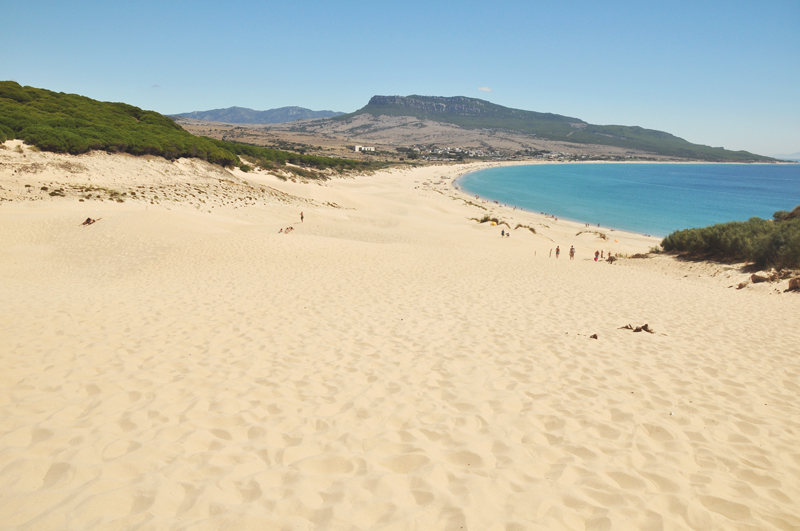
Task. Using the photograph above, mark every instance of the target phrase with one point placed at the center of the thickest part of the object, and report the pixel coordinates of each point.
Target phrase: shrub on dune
(765, 243)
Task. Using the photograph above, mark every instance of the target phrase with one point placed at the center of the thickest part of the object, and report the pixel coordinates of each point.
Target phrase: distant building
(363, 148)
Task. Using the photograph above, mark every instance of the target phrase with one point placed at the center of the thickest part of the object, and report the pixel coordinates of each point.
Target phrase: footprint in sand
(256, 432)
(119, 448)
(658, 433)
(627, 481)
(607, 432)
(748, 429)
(757, 479)
(126, 425)
(663, 484)
(249, 491)
(142, 502)
(422, 497)
(727, 508)
(465, 458)
(40, 434)
(190, 496)
(221, 434)
(407, 463)
(374, 513)
(327, 465)
(58, 473)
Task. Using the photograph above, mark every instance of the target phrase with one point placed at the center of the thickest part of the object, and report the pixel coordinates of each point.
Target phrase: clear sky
(721, 73)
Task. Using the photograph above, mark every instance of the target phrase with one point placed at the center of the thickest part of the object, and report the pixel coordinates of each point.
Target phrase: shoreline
(583, 224)
(594, 225)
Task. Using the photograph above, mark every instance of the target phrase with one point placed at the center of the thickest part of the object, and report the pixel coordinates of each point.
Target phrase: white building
(363, 148)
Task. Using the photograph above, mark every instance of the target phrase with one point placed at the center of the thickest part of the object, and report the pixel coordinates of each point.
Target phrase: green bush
(268, 158)
(765, 243)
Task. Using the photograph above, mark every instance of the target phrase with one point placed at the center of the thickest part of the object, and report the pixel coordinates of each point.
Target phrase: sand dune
(389, 364)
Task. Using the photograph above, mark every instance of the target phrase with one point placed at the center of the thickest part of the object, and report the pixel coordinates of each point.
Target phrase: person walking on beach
(558, 251)
(301, 217)
(596, 255)
(572, 252)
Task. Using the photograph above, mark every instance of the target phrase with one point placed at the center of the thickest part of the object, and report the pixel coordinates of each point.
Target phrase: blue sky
(716, 73)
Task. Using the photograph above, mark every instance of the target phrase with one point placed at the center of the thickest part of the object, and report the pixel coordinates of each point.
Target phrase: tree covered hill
(242, 115)
(69, 123)
(472, 113)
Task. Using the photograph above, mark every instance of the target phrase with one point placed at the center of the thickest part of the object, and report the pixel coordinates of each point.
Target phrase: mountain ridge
(243, 115)
(473, 113)
(789, 156)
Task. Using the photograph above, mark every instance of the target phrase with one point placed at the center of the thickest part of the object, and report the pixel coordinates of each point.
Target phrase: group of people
(571, 252)
(505, 233)
(597, 254)
(287, 230)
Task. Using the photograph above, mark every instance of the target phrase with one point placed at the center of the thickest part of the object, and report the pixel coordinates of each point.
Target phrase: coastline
(581, 223)
(619, 209)
(390, 362)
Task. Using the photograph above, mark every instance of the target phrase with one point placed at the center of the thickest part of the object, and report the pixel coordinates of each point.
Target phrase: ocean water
(654, 199)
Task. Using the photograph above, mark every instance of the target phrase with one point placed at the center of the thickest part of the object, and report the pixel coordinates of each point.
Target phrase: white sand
(387, 365)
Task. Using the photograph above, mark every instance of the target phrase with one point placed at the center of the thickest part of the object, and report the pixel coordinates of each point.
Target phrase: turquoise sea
(654, 199)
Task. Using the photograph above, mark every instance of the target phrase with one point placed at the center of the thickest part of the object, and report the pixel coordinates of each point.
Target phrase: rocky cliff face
(458, 105)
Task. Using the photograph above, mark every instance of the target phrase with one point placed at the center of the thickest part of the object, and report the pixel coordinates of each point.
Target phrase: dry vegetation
(38, 176)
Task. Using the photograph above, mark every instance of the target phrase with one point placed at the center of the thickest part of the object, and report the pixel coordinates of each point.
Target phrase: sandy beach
(389, 364)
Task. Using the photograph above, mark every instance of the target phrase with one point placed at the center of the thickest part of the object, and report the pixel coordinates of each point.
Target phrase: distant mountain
(241, 115)
(471, 113)
(792, 156)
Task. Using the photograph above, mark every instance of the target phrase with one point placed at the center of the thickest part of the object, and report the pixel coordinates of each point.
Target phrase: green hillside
(471, 113)
(69, 123)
